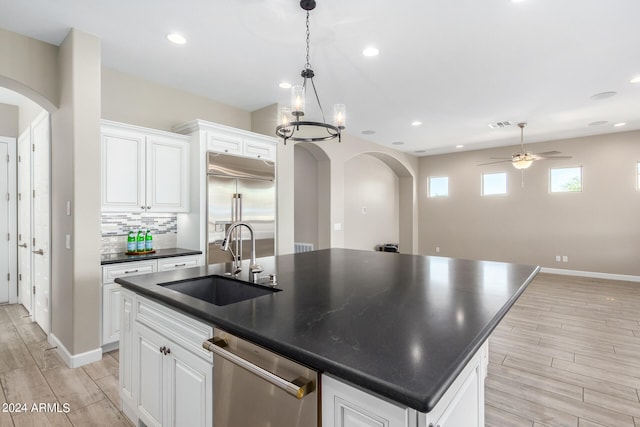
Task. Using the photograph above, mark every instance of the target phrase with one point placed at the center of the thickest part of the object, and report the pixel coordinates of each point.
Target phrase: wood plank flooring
(566, 354)
(31, 372)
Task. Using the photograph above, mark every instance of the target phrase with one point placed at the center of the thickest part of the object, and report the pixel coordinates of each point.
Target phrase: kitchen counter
(401, 326)
(159, 253)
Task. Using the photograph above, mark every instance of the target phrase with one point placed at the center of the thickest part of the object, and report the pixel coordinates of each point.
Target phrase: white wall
(9, 117)
(597, 229)
(306, 196)
(371, 195)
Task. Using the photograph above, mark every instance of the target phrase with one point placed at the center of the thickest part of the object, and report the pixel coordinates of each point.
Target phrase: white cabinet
(171, 376)
(111, 291)
(240, 143)
(144, 170)
(461, 405)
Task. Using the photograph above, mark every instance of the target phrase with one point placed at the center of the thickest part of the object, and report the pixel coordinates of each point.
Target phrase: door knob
(38, 252)
(24, 245)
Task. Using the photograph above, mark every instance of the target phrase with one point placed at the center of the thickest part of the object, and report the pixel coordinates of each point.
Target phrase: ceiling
(454, 65)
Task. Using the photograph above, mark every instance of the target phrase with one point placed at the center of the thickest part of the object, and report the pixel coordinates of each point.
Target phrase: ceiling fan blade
(491, 163)
(551, 157)
(547, 153)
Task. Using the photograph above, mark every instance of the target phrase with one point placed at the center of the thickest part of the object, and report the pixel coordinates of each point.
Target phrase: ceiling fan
(524, 159)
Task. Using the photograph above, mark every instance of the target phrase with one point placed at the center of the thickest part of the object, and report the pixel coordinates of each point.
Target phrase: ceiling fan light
(522, 164)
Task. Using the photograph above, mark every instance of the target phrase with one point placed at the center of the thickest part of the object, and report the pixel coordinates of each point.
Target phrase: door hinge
(8, 158)
(33, 147)
(8, 277)
(19, 158)
(8, 236)
(20, 277)
(19, 197)
(8, 197)
(34, 289)
(34, 241)
(34, 194)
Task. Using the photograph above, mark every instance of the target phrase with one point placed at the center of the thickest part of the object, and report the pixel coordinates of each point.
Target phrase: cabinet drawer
(224, 143)
(177, 263)
(112, 272)
(259, 150)
(183, 330)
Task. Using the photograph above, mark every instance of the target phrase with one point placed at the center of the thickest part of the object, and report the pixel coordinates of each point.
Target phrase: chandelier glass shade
(291, 126)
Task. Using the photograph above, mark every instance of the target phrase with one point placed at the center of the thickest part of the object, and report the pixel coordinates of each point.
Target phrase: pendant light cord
(307, 66)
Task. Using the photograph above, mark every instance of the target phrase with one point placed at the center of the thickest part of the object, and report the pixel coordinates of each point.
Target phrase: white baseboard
(594, 274)
(75, 360)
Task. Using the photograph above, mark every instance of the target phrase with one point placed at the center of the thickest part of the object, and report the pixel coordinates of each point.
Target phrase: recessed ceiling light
(397, 143)
(636, 79)
(285, 85)
(416, 123)
(368, 132)
(176, 38)
(370, 51)
(459, 146)
(598, 123)
(603, 95)
(517, 1)
(617, 125)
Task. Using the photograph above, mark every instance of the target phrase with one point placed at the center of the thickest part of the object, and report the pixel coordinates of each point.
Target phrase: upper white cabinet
(144, 170)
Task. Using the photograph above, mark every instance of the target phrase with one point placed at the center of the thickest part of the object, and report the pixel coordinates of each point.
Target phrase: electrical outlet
(364, 210)
(437, 249)
(565, 258)
(558, 258)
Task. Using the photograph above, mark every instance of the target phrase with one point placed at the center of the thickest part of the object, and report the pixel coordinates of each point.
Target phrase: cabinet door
(467, 406)
(259, 150)
(125, 356)
(150, 374)
(167, 175)
(347, 406)
(224, 143)
(189, 400)
(110, 313)
(123, 171)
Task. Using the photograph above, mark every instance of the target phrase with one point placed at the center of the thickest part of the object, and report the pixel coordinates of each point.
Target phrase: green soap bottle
(132, 246)
(148, 241)
(141, 241)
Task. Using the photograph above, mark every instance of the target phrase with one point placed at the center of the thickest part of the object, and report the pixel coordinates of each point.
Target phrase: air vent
(500, 125)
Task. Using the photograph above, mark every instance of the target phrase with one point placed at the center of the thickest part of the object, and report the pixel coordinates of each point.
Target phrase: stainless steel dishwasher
(256, 387)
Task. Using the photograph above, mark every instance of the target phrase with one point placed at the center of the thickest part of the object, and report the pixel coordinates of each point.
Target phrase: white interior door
(41, 234)
(4, 223)
(24, 221)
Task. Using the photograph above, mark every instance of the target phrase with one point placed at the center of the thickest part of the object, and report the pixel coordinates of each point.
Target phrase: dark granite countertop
(401, 326)
(160, 253)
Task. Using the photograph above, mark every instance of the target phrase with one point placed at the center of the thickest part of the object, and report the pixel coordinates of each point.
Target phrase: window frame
(436, 196)
(580, 167)
(506, 184)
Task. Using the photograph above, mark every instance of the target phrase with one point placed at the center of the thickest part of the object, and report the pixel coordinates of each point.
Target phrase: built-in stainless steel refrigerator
(240, 189)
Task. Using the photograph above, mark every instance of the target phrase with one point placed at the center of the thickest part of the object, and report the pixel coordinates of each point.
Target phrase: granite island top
(115, 258)
(402, 326)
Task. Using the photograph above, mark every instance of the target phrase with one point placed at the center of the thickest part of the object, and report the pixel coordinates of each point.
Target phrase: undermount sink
(219, 290)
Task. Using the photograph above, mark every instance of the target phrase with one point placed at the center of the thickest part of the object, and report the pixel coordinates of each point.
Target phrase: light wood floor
(567, 354)
(30, 372)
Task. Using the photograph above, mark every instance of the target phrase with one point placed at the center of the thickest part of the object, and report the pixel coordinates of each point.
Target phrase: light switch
(68, 208)
(67, 241)
(337, 226)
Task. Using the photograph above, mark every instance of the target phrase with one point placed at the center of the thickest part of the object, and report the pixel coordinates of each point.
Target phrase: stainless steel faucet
(254, 268)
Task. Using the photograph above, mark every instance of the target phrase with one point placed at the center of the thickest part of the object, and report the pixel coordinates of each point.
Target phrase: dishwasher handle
(298, 388)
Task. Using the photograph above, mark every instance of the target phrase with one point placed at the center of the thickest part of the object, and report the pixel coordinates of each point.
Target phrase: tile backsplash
(116, 226)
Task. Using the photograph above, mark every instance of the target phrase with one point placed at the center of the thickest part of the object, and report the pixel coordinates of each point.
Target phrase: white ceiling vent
(500, 125)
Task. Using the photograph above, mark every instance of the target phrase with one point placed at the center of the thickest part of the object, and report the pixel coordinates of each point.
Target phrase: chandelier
(290, 123)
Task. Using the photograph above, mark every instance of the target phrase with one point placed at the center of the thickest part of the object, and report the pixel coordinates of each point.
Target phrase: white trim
(12, 220)
(75, 360)
(594, 274)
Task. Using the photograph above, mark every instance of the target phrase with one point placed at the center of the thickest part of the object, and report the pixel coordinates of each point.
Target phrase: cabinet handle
(163, 349)
(24, 245)
(142, 207)
(148, 207)
(168, 351)
(226, 150)
(431, 425)
(131, 271)
(180, 265)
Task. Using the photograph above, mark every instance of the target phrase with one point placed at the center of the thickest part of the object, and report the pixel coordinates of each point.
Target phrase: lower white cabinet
(111, 290)
(164, 382)
(344, 405)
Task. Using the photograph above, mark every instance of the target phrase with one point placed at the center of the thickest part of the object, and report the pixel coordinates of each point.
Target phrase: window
(494, 183)
(566, 180)
(438, 186)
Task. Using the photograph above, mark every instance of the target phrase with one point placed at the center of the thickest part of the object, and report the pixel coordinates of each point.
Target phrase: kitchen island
(400, 327)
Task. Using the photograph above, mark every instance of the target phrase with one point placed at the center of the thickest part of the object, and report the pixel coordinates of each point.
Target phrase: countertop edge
(158, 255)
